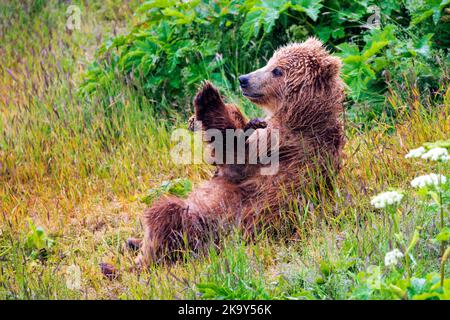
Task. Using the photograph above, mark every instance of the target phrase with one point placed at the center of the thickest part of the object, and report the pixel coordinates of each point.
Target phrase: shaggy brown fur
(302, 93)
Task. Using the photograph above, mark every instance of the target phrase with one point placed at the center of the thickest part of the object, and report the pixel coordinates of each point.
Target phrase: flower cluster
(392, 257)
(431, 179)
(386, 198)
(415, 153)
(436, 154)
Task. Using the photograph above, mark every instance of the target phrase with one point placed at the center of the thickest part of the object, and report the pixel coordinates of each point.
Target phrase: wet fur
(305, 106)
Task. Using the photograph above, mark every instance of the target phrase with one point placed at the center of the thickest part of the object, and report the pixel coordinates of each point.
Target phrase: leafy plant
(360, 67)
(177, 187)
(37, 242)
(400, 282)
(393, 286)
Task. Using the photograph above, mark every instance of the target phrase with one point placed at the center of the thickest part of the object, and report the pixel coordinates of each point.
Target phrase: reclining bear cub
(301, 93)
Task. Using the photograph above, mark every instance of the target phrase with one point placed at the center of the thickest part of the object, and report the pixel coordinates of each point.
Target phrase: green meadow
(86, 120)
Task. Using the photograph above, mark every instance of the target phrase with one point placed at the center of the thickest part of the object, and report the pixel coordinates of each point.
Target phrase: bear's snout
(243, 81)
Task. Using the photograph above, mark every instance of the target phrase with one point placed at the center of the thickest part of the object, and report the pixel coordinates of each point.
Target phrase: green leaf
(310, 7)
(263, 14)
(155, 4)
(325, 268)
(374, 49)
(379, 63)
(423, 46)
(37, 241)
(425, 296)
(181, 18)
(444, 235)
(252, 25)
(323, 33)
(430, 8)
(319, 281)
(178, 187)
(338, 33)
(348, 49)
(418, 18)
(413, 242)
(416, 286)
(398, 291)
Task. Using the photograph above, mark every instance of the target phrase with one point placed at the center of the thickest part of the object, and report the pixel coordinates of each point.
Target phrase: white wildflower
(415, 153)
(386, 198)
(392, 257)
(436, 154)
(427, 180)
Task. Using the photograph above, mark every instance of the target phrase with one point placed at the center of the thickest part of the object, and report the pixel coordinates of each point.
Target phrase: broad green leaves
(263, 14)
(360, 67)
(427, 9)
(37, 242)
(176, 44)
(310, 7)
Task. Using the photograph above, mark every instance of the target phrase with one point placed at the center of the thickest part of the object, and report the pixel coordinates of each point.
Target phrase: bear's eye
(277, 72)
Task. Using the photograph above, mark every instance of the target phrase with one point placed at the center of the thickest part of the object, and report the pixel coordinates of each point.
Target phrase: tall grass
(77, 170)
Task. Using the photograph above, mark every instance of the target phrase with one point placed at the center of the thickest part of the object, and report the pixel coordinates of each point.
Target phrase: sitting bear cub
(301, 93)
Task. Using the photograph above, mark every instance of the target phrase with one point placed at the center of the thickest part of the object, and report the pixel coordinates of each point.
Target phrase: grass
(77, 170)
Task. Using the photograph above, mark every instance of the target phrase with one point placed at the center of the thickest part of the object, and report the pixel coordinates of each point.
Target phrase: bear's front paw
(207, 97)
(194, 125)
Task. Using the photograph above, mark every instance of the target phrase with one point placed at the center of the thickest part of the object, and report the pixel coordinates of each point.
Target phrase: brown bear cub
(301, 92)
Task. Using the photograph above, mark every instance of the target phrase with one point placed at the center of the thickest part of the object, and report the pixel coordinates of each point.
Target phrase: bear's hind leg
(163, 224)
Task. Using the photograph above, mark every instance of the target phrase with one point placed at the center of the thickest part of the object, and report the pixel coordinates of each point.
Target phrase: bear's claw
(193, 124)
(255, 124)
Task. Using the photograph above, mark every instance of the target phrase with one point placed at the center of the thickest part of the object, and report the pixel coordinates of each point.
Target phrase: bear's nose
(243, 80)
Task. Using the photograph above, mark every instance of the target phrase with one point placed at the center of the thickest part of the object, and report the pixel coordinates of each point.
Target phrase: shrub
(176, 44)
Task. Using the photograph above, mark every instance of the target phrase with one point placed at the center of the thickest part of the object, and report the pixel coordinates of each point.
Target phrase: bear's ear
(313, 42)
(331, 66)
